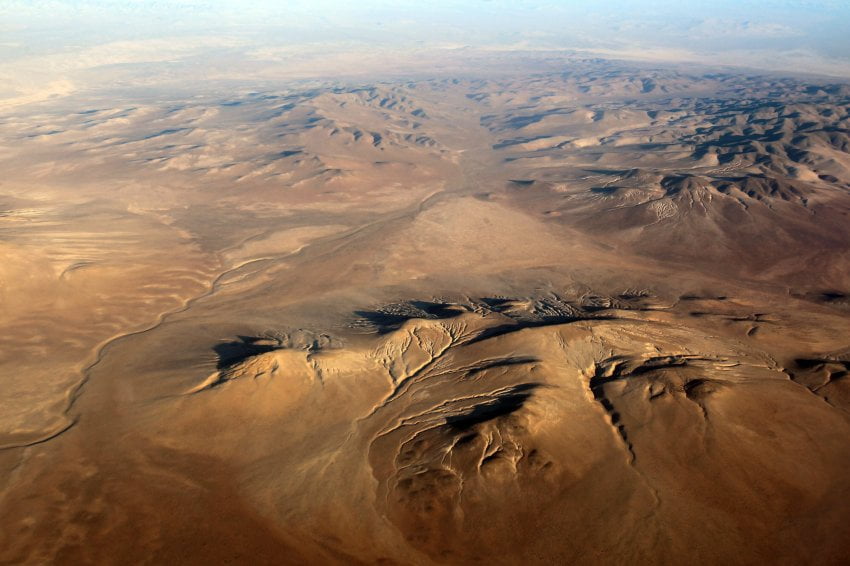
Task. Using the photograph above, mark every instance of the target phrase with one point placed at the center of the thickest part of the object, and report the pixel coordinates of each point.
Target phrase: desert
(551, 309)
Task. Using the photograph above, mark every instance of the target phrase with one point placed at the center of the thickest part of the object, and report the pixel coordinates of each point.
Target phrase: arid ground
(593, 312)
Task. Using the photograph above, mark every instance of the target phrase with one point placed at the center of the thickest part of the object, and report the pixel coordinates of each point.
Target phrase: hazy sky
(719, 24)
(62, 42)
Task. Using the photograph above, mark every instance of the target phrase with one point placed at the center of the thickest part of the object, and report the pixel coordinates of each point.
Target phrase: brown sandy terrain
(593, 316)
